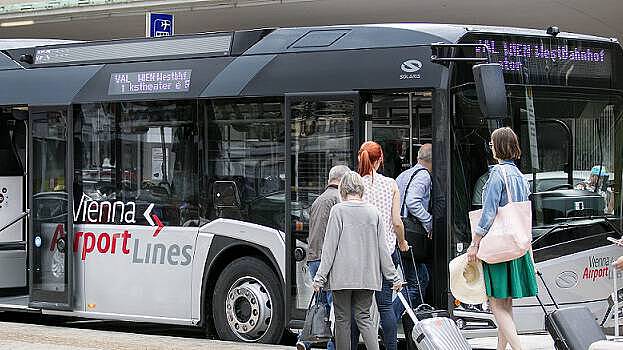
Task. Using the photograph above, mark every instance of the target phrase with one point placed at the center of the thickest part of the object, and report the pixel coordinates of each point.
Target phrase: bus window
(566, 137)
(400, 132)
(140, 153)
(244, 143)
(322, 137)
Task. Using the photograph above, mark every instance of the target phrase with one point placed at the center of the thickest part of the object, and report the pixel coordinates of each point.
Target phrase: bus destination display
(151, 82)
(557, 61)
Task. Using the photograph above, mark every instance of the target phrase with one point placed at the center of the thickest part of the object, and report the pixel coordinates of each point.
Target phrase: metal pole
(410, 129)
(615, 299)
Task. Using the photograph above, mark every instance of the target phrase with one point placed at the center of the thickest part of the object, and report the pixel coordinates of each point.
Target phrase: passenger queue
(365, 225)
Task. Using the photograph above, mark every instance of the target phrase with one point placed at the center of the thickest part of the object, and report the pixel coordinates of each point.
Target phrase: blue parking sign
(159, 24)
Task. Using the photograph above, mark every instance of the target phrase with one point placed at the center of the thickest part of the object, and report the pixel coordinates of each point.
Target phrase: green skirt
(511, 279)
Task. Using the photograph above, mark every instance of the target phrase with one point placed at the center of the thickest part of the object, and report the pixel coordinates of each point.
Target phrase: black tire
(253, 269)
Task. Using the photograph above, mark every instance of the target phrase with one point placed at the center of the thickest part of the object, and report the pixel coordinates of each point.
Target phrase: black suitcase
(572, 328)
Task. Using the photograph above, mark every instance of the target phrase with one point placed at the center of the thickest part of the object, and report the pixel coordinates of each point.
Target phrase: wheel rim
(249, 309)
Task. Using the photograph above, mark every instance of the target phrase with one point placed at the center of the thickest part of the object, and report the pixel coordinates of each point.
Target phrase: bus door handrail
(16, 219)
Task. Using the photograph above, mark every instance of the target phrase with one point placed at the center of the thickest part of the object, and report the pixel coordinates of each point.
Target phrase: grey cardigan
(354, 253)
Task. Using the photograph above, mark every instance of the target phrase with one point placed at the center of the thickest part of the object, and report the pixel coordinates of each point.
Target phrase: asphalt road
(36, 332)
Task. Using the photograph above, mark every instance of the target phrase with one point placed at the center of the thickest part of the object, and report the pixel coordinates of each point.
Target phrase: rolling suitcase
(572, 328)
(435, 333)
(423, 310)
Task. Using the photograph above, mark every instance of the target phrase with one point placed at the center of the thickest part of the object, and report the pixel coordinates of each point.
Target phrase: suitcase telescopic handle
(548, 292)
(417, 274)
(408, 308)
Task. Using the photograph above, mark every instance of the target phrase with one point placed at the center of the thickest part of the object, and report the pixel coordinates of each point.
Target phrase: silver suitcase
(436, 333)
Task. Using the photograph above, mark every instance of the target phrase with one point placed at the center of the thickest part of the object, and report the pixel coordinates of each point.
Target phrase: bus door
(400, 123)
(322, 130)
(13, 130)
(51, 226)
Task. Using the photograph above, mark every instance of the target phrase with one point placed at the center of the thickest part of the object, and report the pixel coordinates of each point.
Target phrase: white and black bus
(168, 180)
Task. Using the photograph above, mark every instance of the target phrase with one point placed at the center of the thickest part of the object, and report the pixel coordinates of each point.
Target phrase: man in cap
(597, 183)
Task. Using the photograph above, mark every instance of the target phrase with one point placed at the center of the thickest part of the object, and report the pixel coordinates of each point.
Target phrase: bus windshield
(568, 140)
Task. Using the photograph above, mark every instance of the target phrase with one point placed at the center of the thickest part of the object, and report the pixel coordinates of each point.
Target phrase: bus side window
(244, 150)
(138, 153)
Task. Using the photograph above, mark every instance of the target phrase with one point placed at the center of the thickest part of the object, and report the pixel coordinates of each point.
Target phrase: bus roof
(261, 62)
(260, 42)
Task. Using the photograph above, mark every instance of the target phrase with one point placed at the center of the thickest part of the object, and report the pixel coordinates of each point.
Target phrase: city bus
(169, 180)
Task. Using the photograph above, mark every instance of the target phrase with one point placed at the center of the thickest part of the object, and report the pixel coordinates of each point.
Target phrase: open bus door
(50, 199)
(322, 131)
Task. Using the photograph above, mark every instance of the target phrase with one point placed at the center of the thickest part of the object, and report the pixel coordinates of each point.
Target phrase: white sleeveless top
(379, 194)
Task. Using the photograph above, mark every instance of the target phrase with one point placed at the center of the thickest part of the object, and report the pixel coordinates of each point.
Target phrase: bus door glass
(323, 132)
(50, 277)
(400, 123)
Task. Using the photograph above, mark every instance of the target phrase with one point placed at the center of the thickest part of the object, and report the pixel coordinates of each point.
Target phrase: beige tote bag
(510, 236)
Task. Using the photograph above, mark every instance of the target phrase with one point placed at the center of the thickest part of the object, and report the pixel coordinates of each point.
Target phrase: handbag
(415, 233)
(317, 326)
(510, 235)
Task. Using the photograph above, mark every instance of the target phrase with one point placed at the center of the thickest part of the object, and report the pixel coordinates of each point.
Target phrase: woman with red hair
(382, 192)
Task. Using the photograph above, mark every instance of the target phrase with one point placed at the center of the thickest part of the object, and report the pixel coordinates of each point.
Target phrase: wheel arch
(224, 250)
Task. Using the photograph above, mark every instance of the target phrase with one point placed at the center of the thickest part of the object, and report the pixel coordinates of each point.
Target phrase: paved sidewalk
(22, 336)
(529, 342)
(29, 336)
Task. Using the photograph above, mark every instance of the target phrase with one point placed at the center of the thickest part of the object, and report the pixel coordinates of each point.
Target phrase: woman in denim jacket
(516, 278)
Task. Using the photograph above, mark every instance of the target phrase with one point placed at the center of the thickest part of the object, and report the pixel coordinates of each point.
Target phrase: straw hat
(467, 282)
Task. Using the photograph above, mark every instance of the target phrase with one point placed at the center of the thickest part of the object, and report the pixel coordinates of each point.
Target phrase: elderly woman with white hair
(354, 259)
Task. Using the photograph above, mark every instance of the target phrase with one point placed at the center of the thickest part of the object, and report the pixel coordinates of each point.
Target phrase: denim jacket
(494, 193)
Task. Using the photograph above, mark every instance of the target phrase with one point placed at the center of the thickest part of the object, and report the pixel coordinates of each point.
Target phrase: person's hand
(471, 253)
(397, 286)
(316, 287)
(619, 263)
(403, 246)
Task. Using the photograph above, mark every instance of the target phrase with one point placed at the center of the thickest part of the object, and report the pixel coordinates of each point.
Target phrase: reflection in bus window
(322, 137)
(244, 143)
(571, 136)
(398, 130)
(139, 152)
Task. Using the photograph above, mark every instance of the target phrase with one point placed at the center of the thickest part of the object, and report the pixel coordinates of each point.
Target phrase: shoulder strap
(508, 191)
(404, 197)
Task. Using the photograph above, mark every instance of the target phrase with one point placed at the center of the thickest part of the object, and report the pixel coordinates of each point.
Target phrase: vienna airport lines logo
(410, 67)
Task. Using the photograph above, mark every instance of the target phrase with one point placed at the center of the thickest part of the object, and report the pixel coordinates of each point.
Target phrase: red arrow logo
(159, 223)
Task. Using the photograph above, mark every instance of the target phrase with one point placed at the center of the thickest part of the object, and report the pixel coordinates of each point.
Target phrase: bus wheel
(248, 303)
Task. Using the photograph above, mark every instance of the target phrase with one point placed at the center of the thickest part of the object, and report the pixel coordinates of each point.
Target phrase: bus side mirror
(225, 195)
(489, 80)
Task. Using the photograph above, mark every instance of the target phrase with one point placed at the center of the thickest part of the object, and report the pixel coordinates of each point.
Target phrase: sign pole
(148, 24)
